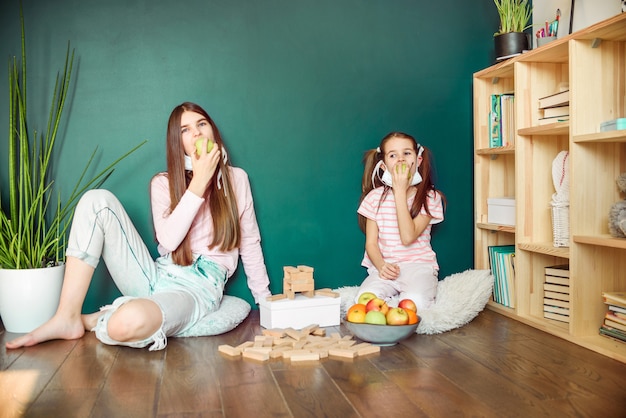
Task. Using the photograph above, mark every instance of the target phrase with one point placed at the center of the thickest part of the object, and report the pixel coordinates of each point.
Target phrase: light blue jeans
(101, 228)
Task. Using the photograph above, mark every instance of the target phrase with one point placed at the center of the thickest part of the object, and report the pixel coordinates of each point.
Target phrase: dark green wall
(299, 90)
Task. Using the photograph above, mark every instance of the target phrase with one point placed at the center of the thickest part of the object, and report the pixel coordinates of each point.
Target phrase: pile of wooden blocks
(307, 344)
(300, 280)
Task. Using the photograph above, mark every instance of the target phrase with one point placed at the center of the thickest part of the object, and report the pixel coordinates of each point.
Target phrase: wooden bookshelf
(593, 62)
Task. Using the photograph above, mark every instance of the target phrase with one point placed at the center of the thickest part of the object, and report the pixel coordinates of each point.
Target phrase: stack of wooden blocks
(308, 344)
(556, 293)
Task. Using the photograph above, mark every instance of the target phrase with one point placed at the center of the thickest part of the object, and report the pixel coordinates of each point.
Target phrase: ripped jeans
(101, 228)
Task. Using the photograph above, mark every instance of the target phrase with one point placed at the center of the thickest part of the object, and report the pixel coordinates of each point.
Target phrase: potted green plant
(515, 18)
(34, 225)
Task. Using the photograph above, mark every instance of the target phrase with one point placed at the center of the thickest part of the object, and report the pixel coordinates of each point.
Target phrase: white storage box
(300, 312)
(501, 211)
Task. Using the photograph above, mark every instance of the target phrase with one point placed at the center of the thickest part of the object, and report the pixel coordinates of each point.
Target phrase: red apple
(407, 304)
(377, 304)
(397, 316)
(375, 317)
(366, 297)
(356, 313)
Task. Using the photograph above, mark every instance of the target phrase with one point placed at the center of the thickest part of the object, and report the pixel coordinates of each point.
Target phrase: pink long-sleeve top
(191, 214)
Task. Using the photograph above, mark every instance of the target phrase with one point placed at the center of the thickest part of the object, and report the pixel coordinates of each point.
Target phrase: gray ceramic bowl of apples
(384, 335)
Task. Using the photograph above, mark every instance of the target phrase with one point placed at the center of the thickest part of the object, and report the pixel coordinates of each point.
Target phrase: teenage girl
(204, 220)
(399, 205)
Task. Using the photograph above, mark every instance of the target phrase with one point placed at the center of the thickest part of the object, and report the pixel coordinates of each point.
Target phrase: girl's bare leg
(67, 323)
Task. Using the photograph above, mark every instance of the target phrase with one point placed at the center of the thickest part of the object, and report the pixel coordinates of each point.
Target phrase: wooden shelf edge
(546, 248)
(604, 240)
(611, 136)
(554, 129)
(496, 227)
(496, 150)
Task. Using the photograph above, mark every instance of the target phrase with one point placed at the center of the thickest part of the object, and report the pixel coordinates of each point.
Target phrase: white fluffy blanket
(460, 297)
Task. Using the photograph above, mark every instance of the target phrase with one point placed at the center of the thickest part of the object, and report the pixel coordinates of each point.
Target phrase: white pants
(417, 281)
(101, 228)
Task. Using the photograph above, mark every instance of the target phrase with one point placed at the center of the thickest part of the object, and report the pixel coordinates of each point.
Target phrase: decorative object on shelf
(560, 200)
(617, 214)
(515, 15)
(34, 224)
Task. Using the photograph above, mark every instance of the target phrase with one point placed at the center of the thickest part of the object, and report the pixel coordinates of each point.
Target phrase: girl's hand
(401, 175)
(204, 167)
(389, 271)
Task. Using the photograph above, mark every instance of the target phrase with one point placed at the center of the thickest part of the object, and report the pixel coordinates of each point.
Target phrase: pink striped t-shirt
(391, 247)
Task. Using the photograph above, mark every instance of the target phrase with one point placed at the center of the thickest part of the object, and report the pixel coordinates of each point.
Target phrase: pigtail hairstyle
(222, 202)
(370, 161)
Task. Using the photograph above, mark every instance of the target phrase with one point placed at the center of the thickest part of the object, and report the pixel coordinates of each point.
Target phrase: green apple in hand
(209, 145)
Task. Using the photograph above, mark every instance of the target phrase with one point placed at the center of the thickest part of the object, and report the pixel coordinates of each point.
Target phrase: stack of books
(502, 120)
(554, 108)
(556, 293)
(614, 325)
(501, 260)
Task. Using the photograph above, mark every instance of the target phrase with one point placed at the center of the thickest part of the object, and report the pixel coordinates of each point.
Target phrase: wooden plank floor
(492, 367)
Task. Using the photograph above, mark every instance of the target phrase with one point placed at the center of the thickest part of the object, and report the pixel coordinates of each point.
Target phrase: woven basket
(560, 224)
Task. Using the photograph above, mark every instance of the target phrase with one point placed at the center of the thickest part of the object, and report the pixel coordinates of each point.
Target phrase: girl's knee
(135, 320)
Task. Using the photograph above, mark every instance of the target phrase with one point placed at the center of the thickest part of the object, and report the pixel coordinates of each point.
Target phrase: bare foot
(90, 320)
(57, 328)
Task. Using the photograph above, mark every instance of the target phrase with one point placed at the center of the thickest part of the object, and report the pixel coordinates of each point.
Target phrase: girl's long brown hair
(373, 156)
(222, 202)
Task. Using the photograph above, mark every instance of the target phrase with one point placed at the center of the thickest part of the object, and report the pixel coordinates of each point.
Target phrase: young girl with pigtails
(399, 204)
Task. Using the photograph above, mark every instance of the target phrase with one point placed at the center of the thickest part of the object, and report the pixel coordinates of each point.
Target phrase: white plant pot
(29, 297)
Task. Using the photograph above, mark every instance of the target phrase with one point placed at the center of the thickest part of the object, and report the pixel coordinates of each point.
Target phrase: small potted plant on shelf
(515, 18)
(34, 224)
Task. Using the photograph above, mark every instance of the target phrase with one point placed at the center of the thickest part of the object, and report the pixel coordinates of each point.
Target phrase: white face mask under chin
(387, 179)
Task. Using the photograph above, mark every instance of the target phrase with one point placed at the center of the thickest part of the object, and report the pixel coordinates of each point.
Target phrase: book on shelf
(554, 100)
(611, 316)
(556, 309)
(507, 120)
(495, 113)
(551, 112)
(615, 298)
(617, 309)
(615, 325)
(561, 270)
(613, 333)
(502, 264)
(501, 120)
(556, 302)
(556, 295)
(554, 119)
(559, 288)
(556, 316)
(557, 280)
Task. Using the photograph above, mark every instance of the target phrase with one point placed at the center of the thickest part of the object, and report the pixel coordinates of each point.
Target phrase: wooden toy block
(304, 357)
(255, 355)
(308, 330)
(245, 344)
(229, 350)
(276, 297)
(327, 292)
(298, 280)
(342, 352)
(320, 332)
(274, 332)
(296, 335)
(265, 350)
(290, 353)
(368, 350)
(346, 344)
